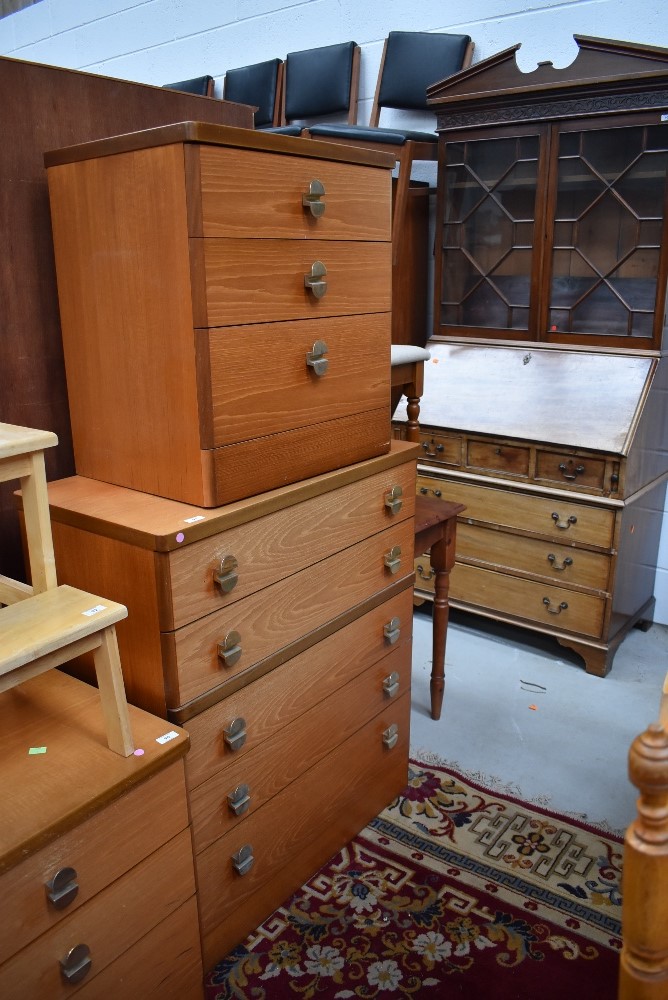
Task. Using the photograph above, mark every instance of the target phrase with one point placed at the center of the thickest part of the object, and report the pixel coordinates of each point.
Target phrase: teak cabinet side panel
(126, 315)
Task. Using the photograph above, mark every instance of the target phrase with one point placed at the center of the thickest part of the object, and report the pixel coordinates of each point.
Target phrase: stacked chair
(202, 85)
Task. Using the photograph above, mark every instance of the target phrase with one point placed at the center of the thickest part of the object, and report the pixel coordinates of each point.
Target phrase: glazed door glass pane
(607, 231)
(488, 232)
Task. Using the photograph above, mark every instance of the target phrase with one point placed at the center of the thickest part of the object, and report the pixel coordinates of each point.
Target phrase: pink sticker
(180, 536)
(139, 753)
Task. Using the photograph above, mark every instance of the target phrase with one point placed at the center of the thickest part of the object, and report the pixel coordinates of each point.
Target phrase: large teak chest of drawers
(96, 864)
(277, 631)
(225, 302)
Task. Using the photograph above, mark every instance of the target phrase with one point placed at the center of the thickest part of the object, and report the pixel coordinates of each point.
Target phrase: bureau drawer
(278, 615)
(260, 383)
(281, 696)
(555, 607)
(493, 456)
(279, 544)
(248, 281)
(332, 798)
(231, 798)
(569, 469)
(562, 564)
(440, 448)
(108, 924)
(130, 822)
(559, 518)
(247, 191)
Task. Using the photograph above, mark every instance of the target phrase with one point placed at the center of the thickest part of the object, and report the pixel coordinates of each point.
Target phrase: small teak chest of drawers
(563, 486)
(225, 300)
(277, 630)
(96, 864)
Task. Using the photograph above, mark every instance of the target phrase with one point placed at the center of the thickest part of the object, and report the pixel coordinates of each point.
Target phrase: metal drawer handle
(579, 469)
(424, 490)
(425, 576)
(243, 860)
(226, 576)
(315, 358)
(62, 888)
(554, 611)
(392, 559)
(229, 650)
(311, 200)
(391, 736)
(564, 525)
(76, 964)
(235, 734)
(314, 280)
(392, 630)
(239, 799)
(553, 559)
(438, 448)
(393, 500)
(391, 684)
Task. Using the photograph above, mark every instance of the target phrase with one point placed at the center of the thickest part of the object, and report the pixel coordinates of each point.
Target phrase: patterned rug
(453, 891)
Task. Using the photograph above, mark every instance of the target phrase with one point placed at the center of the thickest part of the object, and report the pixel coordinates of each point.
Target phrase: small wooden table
(435, 531)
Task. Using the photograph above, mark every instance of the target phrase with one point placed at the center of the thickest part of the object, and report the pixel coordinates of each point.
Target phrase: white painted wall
(159, 41)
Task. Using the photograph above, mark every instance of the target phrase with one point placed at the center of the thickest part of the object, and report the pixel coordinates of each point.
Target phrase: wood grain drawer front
(130, 822)
(245, 191)
(261, 381)
(561, 564)
(571, 470)
(559, 518)
(108, 924)
(280, 614)
(255, 778)
(248, 281)
(166, 964)
(277, 833)
(445, 449)
(495, 456)
(280, 544)
(276, 700)
(555, 607)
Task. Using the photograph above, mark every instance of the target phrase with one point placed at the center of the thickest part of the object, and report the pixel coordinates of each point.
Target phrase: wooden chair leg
(400, 203)
(112, 693)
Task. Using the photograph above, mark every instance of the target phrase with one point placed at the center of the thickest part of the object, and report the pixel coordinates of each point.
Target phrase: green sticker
(34, 750)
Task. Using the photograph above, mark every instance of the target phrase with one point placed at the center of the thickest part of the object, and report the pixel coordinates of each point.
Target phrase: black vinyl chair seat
(283, 129)
(364, 133)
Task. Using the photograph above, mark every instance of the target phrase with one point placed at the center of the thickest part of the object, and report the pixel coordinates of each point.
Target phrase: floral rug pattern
(452, 891)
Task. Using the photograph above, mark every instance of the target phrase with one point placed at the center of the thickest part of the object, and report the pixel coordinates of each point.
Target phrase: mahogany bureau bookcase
(96, 863)
(545, 402)
(225, 300)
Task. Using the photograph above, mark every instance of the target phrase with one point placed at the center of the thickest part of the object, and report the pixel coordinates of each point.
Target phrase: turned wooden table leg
(442, 558)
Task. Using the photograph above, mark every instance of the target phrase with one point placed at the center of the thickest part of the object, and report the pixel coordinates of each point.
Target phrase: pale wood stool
(44, 625)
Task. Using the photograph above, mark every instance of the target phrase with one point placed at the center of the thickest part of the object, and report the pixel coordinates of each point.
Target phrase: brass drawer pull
(554, 611)
(314, 281)
(76, 964)
(391, 684)
(226, 576)
(239, 799)
(393, 500)
(229, 650)
(392, 630)
(392, 559)
(564, 525)
(563, 469)
(315, 358)
(235, 734)
(243, 859)
(424, 490)
(425, 576)
(438, 448)
(311, 200)
(391, 736)
(62, 888)
(566, 562)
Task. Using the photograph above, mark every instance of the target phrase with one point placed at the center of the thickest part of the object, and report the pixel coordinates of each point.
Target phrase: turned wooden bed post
(644, 957)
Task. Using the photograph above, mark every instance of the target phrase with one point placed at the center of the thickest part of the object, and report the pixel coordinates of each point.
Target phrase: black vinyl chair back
(259, 85)
(412, 61)
(202, 85)
(321, 82)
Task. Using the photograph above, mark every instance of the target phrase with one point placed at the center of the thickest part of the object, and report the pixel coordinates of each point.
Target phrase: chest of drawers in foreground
(225, 301)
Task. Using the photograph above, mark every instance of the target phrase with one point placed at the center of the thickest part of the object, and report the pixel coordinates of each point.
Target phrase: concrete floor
(570, 751)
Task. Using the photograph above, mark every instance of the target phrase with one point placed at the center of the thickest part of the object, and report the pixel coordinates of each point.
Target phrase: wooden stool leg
(413, 414)
(38, 526)
(112, 693)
